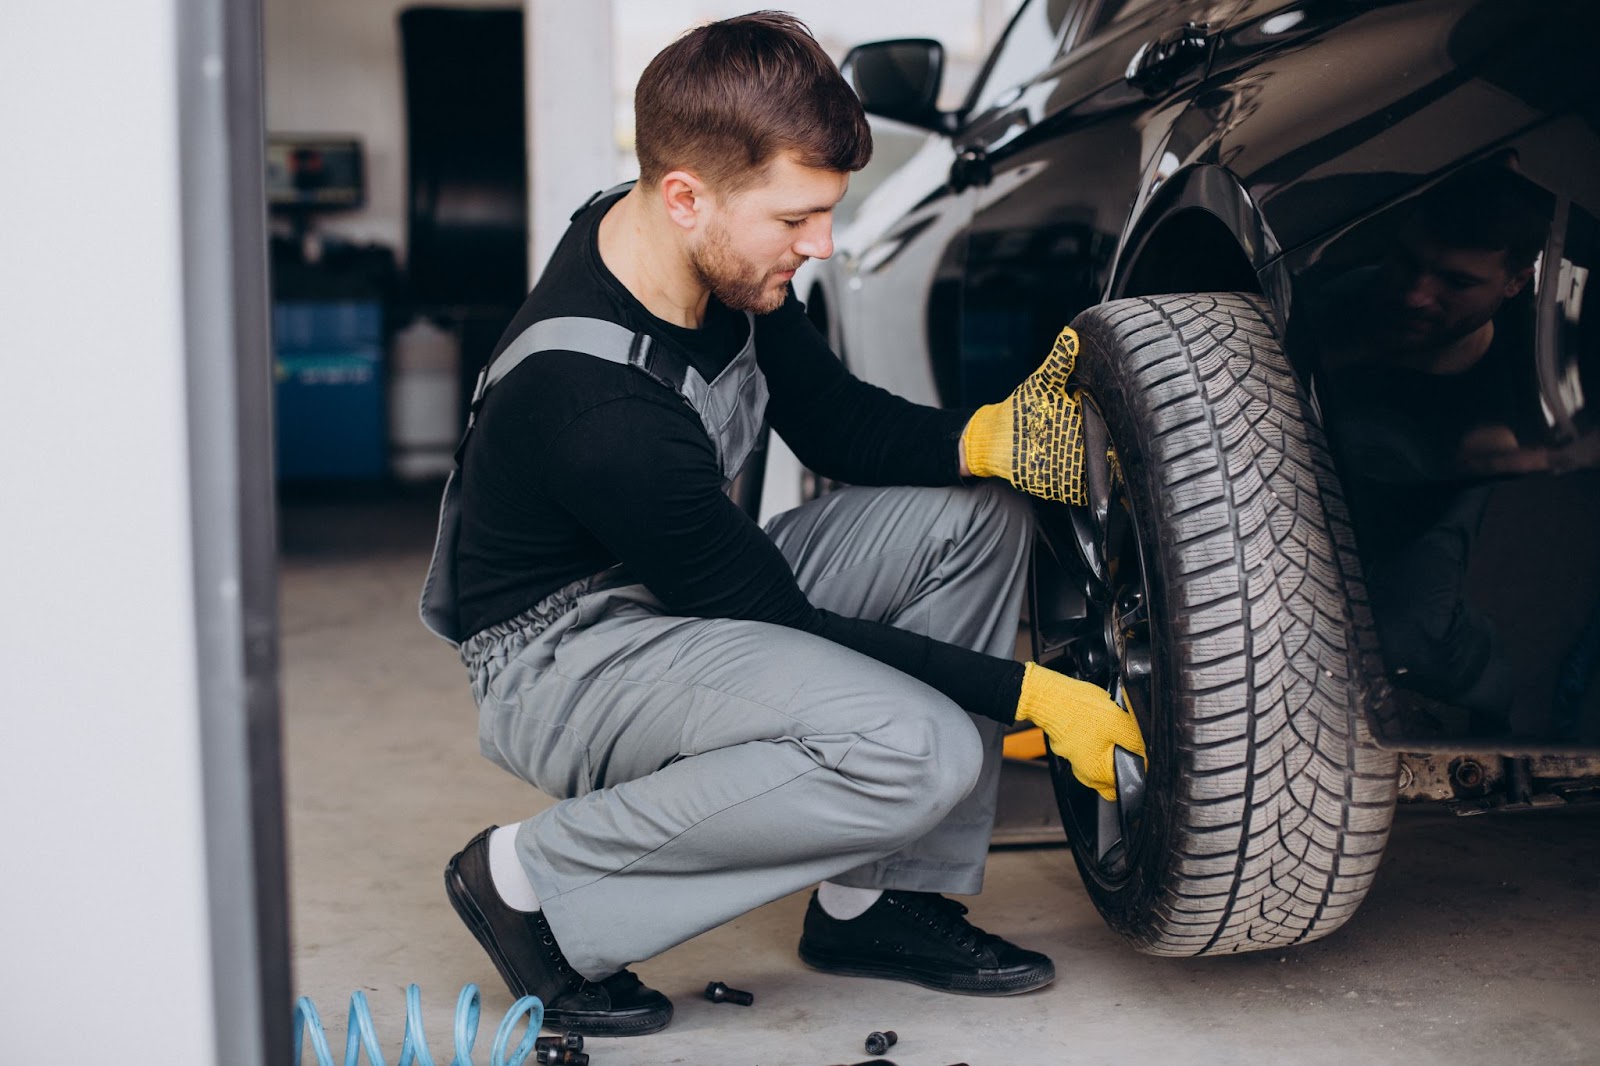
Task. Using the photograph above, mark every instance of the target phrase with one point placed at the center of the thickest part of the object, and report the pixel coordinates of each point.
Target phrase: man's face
(754, 240)
(1435, 295)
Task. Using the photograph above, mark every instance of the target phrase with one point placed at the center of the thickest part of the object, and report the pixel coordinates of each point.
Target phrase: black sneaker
(923, 938)
(525, 952)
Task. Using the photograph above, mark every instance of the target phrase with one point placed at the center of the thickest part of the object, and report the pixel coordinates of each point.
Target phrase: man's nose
(1422, 293)
(816, 242)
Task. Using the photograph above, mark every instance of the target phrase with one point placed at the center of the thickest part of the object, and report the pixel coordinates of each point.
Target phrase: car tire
(1247, 650)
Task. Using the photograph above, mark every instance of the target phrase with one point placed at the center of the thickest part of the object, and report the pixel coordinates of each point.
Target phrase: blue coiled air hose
(360, 1035)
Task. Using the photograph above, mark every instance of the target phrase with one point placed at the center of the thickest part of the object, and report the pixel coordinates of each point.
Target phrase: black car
(1329, 262)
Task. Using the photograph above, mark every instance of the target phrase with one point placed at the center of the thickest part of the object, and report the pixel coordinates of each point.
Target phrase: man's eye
(794, 223)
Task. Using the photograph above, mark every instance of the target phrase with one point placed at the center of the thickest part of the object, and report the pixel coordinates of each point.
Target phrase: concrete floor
(1479, 944)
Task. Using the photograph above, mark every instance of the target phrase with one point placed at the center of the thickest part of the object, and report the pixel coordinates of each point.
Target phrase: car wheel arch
(1199, 232)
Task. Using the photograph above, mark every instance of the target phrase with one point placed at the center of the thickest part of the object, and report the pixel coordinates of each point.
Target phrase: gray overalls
(706, 766)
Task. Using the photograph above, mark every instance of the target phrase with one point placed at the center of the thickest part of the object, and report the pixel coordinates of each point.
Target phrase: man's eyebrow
(809, 210)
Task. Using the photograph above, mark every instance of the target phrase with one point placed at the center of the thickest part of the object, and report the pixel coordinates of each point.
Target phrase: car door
(895, 280)
(1052, 155)
(886, 260)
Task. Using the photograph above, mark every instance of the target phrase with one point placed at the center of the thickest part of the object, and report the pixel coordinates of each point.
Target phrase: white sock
(505, 870)
(843, 902)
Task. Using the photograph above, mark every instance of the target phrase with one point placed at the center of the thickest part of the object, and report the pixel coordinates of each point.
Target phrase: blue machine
(329, 368)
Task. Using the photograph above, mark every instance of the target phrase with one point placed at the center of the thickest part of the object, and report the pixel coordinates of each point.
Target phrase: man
(1440, 334)
(1432, 390)
(730, 714)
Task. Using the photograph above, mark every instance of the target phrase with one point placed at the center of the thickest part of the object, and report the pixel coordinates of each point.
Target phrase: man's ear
(1518, 280)
(684, 197)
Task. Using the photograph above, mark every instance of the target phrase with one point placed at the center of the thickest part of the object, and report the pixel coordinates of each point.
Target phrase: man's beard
(1416, 334)
(734, 280)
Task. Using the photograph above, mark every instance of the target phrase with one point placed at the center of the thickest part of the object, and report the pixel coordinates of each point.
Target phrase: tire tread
(1283, 803)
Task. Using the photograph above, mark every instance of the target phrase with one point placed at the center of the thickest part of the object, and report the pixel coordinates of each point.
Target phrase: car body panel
(1284, 158)
(1042, 238)
(1403, 92)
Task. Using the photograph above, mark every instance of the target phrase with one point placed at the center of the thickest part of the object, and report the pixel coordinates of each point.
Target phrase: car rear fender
(1199, 231)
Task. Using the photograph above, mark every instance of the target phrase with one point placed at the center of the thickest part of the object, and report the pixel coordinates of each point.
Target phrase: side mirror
(899, 80)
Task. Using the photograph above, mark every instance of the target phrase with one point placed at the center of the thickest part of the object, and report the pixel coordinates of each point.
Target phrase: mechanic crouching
(729, 714)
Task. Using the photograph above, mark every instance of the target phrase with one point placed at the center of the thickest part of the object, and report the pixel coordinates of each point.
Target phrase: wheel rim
(1110, 646)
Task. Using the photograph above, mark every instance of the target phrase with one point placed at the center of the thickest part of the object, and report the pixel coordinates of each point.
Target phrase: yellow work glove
(1034, 438)
(1082, 722)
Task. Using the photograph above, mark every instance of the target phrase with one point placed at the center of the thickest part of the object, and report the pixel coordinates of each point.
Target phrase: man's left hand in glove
(1083, 723)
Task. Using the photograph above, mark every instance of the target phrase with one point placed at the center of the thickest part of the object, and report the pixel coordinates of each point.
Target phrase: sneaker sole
(639, 1023)
(962, 984)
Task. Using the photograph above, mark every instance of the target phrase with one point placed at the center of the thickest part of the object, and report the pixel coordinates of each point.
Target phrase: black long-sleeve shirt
(577, 464)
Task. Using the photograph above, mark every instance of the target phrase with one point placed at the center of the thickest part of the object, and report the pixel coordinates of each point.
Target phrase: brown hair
(1489, 208)
(724, 99)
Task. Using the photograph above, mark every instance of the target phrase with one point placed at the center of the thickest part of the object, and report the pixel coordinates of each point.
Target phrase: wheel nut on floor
(560, 1056)
(717, 992)
(568, 1041)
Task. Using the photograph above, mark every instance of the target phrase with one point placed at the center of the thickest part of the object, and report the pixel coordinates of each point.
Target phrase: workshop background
(408, 211)
(405, 233)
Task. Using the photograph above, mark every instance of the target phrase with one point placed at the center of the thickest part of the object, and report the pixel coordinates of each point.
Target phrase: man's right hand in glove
(1034, 437)
(1082, 723)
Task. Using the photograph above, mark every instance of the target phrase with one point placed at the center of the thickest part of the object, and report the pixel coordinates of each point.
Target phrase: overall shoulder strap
(601, 195)
(592, 336)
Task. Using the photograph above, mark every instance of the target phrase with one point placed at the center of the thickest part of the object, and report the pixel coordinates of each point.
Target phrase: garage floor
(1480, 943)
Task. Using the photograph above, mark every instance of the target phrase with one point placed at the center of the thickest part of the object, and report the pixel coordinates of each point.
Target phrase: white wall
(103, 910)
(573, 152)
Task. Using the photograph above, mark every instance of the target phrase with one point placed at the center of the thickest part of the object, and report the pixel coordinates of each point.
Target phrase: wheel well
(1193, 251)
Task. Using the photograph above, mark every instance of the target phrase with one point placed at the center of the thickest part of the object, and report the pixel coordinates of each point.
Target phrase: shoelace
(945, 916)
(573, 980)
(620, 982)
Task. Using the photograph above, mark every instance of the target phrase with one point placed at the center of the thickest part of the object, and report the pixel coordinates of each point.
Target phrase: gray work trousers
(707, 766)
